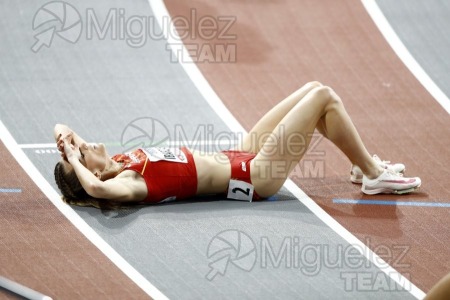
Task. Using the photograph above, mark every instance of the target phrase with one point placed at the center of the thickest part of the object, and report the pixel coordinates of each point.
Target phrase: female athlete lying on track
(256, 169)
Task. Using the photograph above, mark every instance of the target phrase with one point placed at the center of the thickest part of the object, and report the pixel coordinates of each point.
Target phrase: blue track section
(392, 203)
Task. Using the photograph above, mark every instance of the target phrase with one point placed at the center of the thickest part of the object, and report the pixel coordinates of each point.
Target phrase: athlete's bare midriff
(213, 172)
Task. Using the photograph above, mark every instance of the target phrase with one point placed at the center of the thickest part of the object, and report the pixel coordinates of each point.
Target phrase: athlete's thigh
(287, 143)
(254, 140)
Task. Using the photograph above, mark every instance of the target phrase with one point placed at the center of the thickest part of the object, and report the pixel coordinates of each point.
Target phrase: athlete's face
(94, 157)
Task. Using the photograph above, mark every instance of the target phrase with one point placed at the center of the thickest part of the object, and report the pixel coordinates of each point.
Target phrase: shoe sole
(357, 179)
(389, 191)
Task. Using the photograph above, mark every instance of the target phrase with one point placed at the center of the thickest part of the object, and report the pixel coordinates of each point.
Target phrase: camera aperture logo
(230, 246)
(58, 18)
(359, 268)
(144, 132)
(208, 38)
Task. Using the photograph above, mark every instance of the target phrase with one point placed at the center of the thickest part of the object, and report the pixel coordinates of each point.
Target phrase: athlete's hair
(73, 192)
(68, 183)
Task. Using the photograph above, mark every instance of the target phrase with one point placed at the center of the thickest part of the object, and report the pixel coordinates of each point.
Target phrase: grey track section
(100, 88)
(423, 26)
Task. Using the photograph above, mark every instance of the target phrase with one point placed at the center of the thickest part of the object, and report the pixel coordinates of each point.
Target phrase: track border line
(405, 56)
(161, 13)
(26, 164)
(171, 143)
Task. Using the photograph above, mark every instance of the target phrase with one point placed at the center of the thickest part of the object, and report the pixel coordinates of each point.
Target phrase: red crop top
(168, 173)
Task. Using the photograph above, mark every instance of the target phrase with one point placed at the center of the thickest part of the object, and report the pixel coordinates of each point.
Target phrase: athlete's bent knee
(334, 96)
(322, 92)
(313, 84)
(328, 94)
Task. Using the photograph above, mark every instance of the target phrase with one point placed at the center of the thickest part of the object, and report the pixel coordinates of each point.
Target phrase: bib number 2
(240, 190)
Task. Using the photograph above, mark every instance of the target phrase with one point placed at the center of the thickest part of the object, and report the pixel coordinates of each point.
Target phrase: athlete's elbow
(94, 189)
(59, 130)
(59, 127)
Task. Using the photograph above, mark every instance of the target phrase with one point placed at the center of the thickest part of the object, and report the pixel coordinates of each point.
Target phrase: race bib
(240, 190)
(166, 154)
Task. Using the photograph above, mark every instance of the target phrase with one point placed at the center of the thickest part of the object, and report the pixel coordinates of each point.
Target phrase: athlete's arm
(114, 189)
(62, 130)
(117, 189)
(120, 189)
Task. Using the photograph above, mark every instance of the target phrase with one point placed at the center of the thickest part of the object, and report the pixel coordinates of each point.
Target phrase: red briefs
(240, 166)
(168, 173)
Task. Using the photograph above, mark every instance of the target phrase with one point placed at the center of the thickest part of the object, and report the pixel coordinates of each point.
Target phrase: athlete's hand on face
(60, 146)
(60, 143)
(68, 148)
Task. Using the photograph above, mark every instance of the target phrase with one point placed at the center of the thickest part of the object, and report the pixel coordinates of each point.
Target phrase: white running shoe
(390, 182)
(356, 175)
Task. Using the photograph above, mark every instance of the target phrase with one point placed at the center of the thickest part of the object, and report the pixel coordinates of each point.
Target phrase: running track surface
(373, 84)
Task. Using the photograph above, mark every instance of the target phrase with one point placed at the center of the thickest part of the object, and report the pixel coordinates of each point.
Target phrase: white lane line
(37, 146)
(22, 290)
(73, 217)
(170, 143)
(402, 52)
(161, 13)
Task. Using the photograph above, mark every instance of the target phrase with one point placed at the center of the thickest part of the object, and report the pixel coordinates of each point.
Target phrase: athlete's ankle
(374, 172)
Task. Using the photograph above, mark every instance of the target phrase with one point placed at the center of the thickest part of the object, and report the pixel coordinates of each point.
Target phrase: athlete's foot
(356, 175)
(390, 182)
